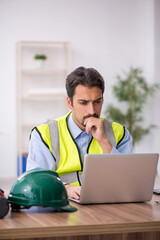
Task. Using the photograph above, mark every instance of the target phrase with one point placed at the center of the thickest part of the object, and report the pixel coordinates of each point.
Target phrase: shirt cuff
(114, 150)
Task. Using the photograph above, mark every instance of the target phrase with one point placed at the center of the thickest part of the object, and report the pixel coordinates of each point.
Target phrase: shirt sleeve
(39, 155)
(125, 146)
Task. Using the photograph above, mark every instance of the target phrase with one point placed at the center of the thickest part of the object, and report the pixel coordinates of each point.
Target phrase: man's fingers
(90, 124)
(76, 196)
(73, 191)
(79, 191)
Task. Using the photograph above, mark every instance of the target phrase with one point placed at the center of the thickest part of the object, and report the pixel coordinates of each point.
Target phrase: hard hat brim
(68, 208)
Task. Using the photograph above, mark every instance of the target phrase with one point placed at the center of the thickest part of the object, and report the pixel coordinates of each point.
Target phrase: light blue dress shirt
(82, 138)
(40, 156)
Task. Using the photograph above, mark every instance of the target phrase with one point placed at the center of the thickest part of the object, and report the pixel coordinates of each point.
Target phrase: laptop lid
(118, 178)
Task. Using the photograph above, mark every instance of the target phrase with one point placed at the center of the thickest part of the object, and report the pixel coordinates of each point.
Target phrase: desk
(91, 222)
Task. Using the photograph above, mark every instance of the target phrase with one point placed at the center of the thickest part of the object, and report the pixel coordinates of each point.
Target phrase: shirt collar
(74, 129)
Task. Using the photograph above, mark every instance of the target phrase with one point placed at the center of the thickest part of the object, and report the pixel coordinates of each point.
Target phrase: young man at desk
(60, 144)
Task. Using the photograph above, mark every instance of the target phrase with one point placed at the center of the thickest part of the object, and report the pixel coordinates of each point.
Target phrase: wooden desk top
(95, 219)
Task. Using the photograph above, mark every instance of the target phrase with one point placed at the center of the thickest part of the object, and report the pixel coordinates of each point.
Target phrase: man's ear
(69, 103)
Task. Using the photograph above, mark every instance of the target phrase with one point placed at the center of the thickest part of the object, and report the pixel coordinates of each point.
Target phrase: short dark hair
(89, 77)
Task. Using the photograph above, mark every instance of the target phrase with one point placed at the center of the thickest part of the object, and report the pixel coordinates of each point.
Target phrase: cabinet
(40, 88)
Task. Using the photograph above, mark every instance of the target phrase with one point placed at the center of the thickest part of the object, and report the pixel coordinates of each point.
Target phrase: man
(61, 144)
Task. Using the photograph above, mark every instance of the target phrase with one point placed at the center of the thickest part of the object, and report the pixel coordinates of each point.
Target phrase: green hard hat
(39, 188)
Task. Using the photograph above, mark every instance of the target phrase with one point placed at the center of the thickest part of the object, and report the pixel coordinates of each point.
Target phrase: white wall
(109, 35)
(156, 116)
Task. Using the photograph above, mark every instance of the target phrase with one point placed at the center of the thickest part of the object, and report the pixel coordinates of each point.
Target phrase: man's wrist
(106, 146)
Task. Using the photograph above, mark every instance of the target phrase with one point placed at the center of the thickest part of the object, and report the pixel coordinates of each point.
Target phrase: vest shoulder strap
(50, 136)
(109, 132)
(54, 136)
(114, 132)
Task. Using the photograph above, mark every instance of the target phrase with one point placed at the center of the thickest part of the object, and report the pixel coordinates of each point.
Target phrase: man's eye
(98, 101)
(83, 103)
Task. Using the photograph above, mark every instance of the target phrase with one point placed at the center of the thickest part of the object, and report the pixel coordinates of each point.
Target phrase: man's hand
(73, 191)
(95, 126)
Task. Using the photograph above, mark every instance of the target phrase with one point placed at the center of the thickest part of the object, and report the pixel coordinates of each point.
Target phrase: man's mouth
(88, 116)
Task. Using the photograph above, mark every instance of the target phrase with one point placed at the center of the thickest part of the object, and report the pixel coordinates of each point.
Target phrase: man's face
(87, 102)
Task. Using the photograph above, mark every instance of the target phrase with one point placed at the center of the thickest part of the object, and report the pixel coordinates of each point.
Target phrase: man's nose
(91, 109)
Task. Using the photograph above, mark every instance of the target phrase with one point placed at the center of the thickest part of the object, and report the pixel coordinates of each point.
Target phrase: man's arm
(39, 155)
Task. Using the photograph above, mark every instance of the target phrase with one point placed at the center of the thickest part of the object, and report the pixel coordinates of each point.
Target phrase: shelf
(43, 44)
(40, 89)
(42, 70)
(4, 134)
(30, 125)
(42, 98)
(48, 92)
(23, 151)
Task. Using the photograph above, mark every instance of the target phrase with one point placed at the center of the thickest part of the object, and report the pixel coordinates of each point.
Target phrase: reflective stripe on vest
(68, 163)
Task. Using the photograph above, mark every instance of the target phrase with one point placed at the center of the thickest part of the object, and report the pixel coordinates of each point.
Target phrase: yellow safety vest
(68, 163)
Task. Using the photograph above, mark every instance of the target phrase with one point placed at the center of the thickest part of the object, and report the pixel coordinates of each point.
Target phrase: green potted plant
(134, 91)
(39, 60)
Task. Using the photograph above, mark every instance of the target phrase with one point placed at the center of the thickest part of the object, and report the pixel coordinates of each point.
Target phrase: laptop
(118, 178)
